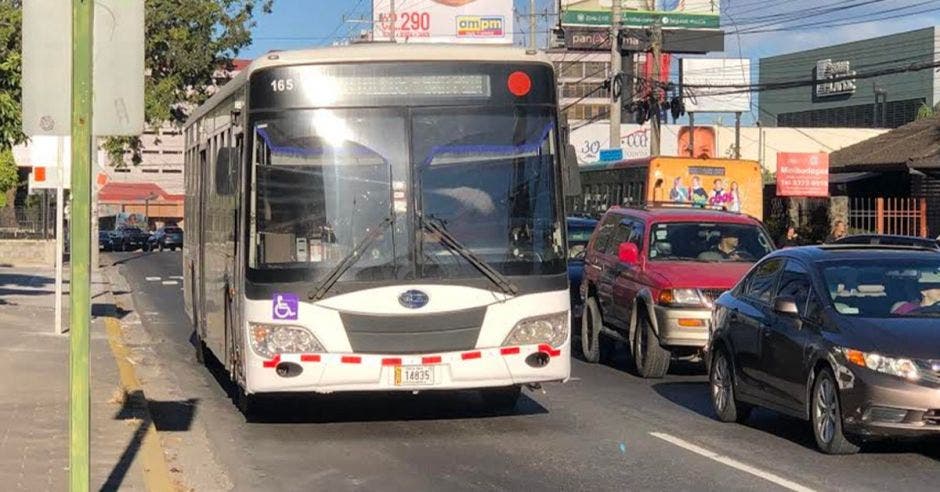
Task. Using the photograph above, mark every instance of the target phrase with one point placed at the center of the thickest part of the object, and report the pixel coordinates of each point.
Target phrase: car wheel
(591, 322)
(827, 416)
(501, 399)
(721, 381)
(649, 358)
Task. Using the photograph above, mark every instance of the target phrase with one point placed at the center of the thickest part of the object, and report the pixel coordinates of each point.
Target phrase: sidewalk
(34, 400)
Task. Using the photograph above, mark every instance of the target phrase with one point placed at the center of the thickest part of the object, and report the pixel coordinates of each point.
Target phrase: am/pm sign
(443, 21)
(802, 174)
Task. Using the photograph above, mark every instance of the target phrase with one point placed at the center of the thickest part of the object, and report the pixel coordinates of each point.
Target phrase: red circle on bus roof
(519, 83)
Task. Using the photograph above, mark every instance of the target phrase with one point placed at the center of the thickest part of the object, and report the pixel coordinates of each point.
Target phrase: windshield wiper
(349, 260)
(448, 240)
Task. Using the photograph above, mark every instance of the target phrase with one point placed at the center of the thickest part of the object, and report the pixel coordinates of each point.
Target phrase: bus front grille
(414, 333)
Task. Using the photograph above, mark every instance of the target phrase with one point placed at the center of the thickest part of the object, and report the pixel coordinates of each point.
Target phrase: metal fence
(27, 223)
(903, 216)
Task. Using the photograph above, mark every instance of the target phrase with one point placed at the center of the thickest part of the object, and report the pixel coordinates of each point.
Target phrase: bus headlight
(270, 340)
(551, 329)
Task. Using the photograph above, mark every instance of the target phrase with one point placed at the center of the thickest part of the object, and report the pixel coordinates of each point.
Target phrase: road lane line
(170, 282)
(154, 279)
(733, 463)
(176, 277)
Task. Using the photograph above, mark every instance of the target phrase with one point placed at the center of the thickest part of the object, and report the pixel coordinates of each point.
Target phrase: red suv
(651, 276)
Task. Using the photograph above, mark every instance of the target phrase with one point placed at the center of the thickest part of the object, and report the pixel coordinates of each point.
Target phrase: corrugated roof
(915, 145)
(136, 192)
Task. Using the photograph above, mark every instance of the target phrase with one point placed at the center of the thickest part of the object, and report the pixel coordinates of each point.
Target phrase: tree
(187, 43)
(10, 127)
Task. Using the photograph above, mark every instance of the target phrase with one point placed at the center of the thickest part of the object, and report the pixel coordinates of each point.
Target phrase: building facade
(581, 77)
(862, 84)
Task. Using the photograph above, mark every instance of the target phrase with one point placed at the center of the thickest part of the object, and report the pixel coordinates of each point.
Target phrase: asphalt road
(603, 430)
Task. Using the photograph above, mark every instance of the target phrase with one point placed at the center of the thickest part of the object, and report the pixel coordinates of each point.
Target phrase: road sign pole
(80, 287)
(59, 236)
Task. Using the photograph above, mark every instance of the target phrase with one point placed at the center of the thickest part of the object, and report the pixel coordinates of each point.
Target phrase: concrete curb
(153, 459)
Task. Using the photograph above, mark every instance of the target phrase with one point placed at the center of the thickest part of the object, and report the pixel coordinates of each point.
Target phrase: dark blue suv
(579, 233)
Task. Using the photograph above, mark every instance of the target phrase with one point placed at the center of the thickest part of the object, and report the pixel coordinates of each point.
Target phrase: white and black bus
(381, 217)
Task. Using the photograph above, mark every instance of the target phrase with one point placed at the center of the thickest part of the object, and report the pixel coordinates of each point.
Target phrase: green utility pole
(79, 295)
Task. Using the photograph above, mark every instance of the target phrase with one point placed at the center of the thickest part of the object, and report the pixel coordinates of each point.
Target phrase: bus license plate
(414, 375)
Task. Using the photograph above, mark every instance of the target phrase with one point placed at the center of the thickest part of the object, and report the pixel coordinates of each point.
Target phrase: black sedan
(130, 239)
(846, 337)
(890, 240)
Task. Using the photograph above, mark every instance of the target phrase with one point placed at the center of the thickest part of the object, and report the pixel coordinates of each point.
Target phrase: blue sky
(304, 23)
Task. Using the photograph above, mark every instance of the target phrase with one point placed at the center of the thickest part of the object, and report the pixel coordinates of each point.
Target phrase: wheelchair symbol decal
(285, 306)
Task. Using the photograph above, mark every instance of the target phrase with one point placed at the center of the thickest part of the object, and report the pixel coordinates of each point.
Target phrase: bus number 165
(282, 85)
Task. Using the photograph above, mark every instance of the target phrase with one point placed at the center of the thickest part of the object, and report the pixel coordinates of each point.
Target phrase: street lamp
(150, 196)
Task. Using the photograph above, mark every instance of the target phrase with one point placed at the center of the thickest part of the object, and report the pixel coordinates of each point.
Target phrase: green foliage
(924, 111)
(187, 42)
(10, 22)
(10, 126)
(8, 175)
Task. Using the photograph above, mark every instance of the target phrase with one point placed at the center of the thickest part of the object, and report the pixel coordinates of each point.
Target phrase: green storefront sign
(641, 19)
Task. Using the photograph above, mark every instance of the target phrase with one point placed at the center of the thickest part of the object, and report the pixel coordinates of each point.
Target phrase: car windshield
(488, 177)
(578, 237)
(715, 242)
(132, 230)
(884, 288)
(326, 179)
(173, 230)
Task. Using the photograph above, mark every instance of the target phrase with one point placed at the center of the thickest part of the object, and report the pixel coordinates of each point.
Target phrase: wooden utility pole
(656, 41)
(615, 69)
(533, 24)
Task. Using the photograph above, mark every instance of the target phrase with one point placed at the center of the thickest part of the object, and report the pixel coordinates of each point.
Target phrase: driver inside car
(725, 249)
(929, 296)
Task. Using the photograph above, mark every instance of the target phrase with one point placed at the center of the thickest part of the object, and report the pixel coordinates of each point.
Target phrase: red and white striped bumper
(477, 368)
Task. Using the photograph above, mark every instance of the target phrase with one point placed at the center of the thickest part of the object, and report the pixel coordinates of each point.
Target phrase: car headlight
(681, 297)
(900, 367)
(551, 329)
(270, 340)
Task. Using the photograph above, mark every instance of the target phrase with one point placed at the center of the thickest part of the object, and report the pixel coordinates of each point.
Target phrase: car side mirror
(786, 305)
(629, 253)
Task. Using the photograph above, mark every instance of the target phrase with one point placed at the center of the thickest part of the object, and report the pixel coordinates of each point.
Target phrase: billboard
(802, 174)
(443, 21)
(590, 140)
(688, 14)
(707, 84)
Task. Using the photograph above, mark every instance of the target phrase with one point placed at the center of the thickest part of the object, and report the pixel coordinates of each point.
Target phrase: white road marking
(177, 277)
(154, 279)
(170, 282)
(733, 463)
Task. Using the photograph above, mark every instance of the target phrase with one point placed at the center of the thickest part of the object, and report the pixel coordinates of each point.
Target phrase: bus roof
(372, 52)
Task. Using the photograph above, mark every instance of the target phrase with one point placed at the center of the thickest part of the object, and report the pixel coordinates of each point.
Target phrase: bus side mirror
(571, 172)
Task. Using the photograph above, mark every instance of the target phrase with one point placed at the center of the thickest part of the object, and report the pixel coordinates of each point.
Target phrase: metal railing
(27, 223)
(901, 216)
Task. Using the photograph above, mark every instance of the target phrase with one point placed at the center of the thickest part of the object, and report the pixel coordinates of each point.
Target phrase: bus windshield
(327, 179)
